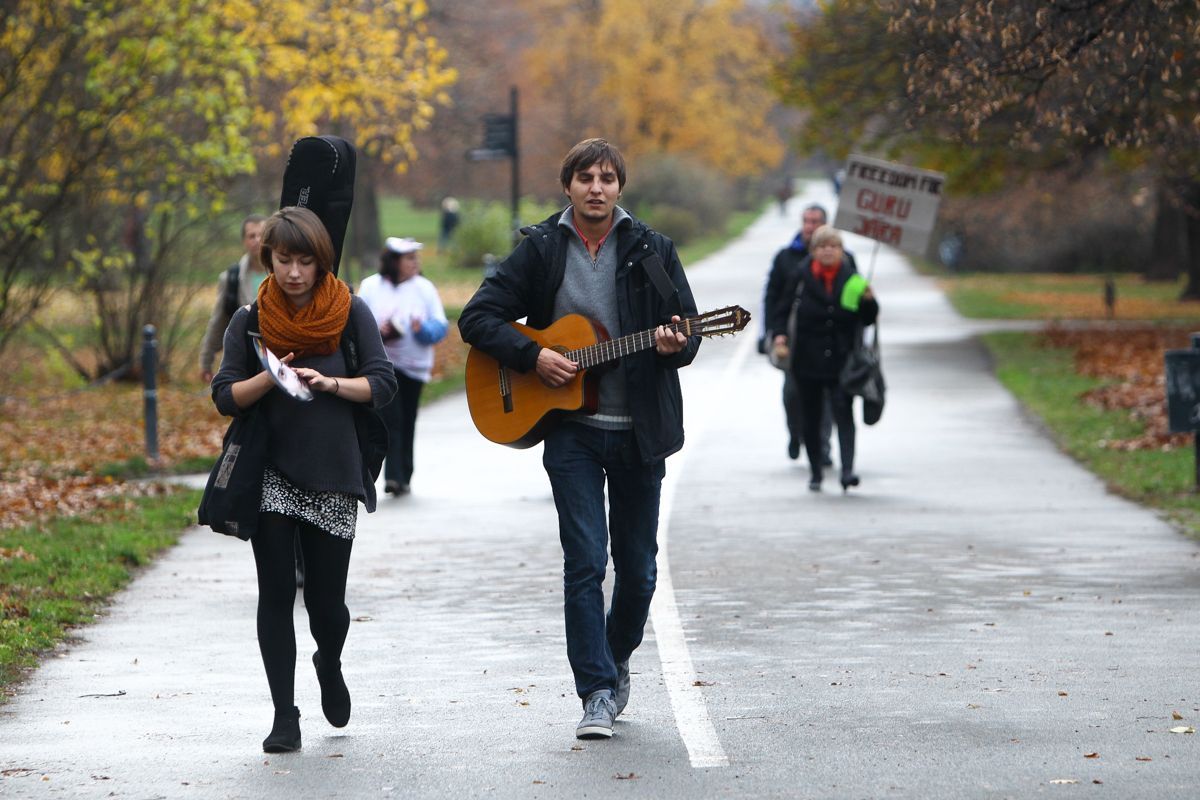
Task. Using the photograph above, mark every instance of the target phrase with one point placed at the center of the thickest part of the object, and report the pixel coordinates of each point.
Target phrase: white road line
(687, 701)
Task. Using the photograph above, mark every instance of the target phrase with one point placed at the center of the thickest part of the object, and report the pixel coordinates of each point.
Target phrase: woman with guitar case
(313, 469)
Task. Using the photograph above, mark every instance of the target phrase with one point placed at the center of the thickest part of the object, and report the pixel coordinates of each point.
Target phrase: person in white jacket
(411, 321)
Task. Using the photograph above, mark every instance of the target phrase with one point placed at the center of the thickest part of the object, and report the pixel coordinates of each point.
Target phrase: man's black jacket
(525, 284)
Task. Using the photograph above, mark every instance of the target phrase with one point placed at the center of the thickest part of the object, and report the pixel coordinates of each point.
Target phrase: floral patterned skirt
(335, 513)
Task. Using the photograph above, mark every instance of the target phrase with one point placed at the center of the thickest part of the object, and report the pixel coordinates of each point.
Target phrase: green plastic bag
(852, 292)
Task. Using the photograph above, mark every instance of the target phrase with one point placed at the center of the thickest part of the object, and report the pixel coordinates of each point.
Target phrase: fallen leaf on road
(1183, 729)
(1176, 715)
(539, 782)
(1091, 755)
(335, 755)
(703, 683)
(1062, 694)
(1064, 780)
(630, 777)
(1143, 758)
(577, 747)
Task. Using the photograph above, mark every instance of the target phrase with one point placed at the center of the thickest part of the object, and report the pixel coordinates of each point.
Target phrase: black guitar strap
(653, 266)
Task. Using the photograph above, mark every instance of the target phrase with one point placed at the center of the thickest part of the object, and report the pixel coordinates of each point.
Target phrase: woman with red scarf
(824, 307)
(315, 476)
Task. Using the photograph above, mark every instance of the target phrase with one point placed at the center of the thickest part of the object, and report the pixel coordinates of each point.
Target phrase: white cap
(402, 245)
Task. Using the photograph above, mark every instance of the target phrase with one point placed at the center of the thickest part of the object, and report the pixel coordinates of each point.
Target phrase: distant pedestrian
(606, 469)
(237, 286)
(832, 304)
(786, 263)
(1110, 297)
(448, 222)
(784, 194)
(411, 320)
(316, 474)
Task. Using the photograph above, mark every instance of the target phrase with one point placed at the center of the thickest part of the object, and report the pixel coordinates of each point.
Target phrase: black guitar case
(320, 177)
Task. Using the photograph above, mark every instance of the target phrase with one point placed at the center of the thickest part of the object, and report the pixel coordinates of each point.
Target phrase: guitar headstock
(730, 319)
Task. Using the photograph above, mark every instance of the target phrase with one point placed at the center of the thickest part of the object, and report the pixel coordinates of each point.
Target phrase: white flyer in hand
(283, 375)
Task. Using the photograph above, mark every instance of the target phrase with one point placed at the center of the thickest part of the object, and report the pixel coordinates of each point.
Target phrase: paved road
(975, 621)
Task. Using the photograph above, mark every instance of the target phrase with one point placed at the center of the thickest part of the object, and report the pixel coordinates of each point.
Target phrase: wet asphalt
(979, 619)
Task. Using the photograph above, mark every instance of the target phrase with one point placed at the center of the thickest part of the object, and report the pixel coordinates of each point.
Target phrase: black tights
(811, 402)
(326, 561)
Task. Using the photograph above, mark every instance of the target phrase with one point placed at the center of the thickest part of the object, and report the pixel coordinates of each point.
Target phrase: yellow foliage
(689, 77)
(367, 70)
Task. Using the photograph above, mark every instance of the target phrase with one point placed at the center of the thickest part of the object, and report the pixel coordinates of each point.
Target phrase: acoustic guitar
(516, 409)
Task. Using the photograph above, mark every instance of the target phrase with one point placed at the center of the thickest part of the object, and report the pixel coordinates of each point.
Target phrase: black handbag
(862, 376)
(233, 493)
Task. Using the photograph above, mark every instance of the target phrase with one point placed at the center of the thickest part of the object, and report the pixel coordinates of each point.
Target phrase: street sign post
(500, 142)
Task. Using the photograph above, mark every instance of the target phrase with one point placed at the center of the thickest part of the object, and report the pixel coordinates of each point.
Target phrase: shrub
(675, 182)
(678, 223)
(484, 229)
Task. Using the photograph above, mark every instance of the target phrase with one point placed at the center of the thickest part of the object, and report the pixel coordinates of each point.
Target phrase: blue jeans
(579, 458)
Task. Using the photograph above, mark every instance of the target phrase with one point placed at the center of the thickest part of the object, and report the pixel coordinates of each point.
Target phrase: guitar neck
(603, 352)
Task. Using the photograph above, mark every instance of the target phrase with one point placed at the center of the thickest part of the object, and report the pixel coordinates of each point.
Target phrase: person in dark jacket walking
(832, 305)
(315, 474)
(783, 268)
(597, 260)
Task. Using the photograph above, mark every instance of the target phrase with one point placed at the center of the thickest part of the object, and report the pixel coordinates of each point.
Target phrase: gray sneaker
(622, 698)
(599, 711)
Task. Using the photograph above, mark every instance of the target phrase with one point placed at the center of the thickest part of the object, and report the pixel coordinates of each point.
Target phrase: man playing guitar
(597, 260)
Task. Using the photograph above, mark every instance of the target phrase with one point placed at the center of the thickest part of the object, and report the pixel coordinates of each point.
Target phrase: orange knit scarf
(314, 330)
(826, 274)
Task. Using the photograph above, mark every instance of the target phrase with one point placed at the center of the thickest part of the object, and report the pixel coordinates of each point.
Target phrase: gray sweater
(314, 444)
(590, 288)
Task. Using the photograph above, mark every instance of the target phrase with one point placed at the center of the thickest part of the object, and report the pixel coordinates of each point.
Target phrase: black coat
(825, 333)
(525, 284)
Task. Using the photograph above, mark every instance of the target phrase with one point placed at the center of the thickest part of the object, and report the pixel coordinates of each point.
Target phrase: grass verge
(1045, 381)
(57, 576)
(1042, 296)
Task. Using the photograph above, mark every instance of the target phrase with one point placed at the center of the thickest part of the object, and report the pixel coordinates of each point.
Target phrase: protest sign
(891, 203)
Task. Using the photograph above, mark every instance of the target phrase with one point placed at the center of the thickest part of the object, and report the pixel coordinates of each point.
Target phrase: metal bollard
(149, 390)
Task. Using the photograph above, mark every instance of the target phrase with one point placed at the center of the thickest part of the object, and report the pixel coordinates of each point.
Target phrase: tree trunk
(1168, 252)
(1191, 209)
(366, 240)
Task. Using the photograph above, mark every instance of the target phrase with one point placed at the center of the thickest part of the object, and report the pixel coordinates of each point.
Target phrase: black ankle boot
(848, 480)
(335, 697)
(285, 733)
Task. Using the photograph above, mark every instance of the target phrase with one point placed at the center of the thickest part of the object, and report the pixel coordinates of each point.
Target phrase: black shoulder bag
(233, 493)
(862, 376)
(368, 422)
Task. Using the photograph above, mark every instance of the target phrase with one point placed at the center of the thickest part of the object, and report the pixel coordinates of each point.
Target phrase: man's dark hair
(589, 152)
(816, 207)
(250, 219)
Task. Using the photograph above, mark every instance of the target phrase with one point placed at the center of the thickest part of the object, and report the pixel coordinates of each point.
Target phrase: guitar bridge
(505, 389)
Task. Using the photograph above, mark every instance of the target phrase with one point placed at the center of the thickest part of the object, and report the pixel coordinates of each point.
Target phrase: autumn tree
(119, 124)
(687, 78)
(368, 71)
(1115, 74)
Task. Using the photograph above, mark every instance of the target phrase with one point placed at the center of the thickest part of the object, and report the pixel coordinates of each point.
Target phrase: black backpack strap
(233, 277)
(653, 266)
(253, 365)
(349, 347)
